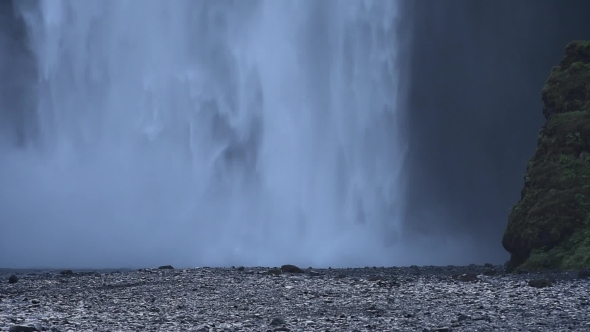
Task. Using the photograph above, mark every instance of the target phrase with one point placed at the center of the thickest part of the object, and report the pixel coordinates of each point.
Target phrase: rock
(490, 272)
(275, 272)
(66, 272)
(584, 274)
(466, 277)
(547, 229)
(488, 265)
(12, 279)
(291, 269)
(20, 328)
(277, 321)
(231, 301)
(540, 283)
(377, 278)
(166, 267)
(442, 329)
(241, 268)
(462, 317)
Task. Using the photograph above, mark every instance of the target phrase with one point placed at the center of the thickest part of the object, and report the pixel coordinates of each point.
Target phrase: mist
(202, 133)
(319, 133)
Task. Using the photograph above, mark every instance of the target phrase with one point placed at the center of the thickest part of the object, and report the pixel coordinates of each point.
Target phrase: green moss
(550, 225)
(573, 138)
(568, 124)
(547, 222)
(577, 51)
(566, 89)
(571, 254)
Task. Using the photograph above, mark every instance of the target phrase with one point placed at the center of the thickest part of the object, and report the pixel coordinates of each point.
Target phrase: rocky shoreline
(470, 298)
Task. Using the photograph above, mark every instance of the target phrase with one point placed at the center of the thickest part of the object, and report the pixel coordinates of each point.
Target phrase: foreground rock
(166, 267)
(291, 269)
(382, 299)
(549, 228)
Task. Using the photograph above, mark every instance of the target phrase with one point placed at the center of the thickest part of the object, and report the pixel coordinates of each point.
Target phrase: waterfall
(208, 133)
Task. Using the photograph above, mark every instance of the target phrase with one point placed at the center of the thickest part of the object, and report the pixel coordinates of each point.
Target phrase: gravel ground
(472, 298)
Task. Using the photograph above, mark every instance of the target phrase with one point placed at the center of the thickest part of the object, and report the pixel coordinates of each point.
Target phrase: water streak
(209, 132)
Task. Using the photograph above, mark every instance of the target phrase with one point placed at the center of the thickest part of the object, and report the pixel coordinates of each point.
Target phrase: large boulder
(549, 228)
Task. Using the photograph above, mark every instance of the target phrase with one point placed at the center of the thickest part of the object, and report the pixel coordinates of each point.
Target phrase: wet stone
(584, 274)
(450, 298)
(166, 267)
(541, 283)
(291, 269)
(12, 279)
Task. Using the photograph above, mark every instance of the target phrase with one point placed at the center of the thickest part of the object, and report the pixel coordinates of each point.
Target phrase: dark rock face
(20, 328)
(540, 283)
(549, 228)
(12, 279)
(466, 277)
(490, 272)
(288, 268)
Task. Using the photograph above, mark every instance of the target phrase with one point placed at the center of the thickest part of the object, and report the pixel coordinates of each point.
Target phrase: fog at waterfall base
(324, 133)
(203, 133)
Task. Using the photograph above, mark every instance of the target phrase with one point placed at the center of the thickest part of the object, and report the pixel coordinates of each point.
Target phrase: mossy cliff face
(549, 228)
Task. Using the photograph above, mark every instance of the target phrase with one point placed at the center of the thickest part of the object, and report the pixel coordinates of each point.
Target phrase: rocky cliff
(549, 228)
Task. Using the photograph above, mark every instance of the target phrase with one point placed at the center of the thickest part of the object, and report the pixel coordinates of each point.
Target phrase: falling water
(207, 133)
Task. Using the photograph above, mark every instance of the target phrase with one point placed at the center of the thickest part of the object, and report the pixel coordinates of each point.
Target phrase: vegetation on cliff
(549, 228)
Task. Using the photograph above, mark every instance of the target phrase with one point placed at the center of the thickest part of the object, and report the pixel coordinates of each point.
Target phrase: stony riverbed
(472, 298)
